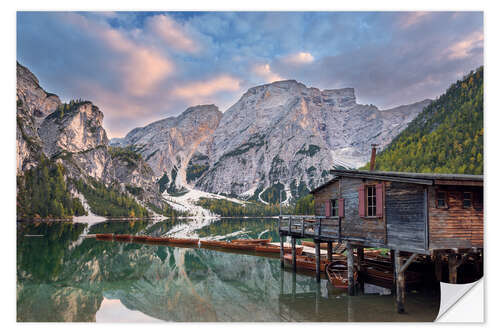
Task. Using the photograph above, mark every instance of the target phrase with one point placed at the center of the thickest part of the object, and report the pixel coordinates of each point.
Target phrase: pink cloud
(299, 58)
(265, 72)
(413, 18)
(207, 88)
(463, 48)
(142, 67)
(172, 33)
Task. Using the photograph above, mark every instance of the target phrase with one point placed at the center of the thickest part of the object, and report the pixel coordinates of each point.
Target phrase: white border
(492, 121)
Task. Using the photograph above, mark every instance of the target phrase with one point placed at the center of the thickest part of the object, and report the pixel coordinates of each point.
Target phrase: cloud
(299, 58)
(172, 33)
(265, 72)
(142, 67)
(413, 18)
(208, 87)
(465, 47)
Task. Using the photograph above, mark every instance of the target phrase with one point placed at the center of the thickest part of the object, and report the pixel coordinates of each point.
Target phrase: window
(335, 207)
(371, 201)
(441, 199)
(467, 200)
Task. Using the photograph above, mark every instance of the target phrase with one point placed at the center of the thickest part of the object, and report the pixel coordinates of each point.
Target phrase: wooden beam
(393, 264)
(317, 247)
(282, 252)
(408, 262)
(454, 261)
(329, 251)
(459, 182)
(400, 283)
(438, 267)
(350, 270)
(294, 255)
(360, 257)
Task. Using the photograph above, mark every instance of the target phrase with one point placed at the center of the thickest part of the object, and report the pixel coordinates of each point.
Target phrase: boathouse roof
(407, 177)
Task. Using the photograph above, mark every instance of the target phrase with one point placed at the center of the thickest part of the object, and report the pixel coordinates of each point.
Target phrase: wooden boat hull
(276, 249)
(104, 236)
(252, 241)
(158, 239)
(241, 246)
(337, 274)
(140, 238)
(323, 246)
(306, 262)
(213, 243)
(187, 241)
(123, 237)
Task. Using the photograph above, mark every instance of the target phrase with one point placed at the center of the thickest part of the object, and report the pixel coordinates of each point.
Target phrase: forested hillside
(447, 137)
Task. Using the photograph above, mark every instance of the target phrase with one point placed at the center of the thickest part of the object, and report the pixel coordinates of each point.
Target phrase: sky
(139, 67)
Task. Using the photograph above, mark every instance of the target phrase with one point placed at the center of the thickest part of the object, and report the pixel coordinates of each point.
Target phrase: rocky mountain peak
(73, 127)
(36, 101)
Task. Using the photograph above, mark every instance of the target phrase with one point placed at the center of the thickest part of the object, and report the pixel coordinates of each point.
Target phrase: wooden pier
(433, 215)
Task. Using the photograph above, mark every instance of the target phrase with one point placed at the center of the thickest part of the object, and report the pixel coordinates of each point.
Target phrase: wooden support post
(294, 255)
(289, 224)
(329, 251)
(350, 270)
(400, 282)
(294, 285)
(282, 281)
(477, 265)
(282, 252)
(360, 257)
(317, 247)
(454, 260)
(438, 267)
(393, 264)
(317, 298)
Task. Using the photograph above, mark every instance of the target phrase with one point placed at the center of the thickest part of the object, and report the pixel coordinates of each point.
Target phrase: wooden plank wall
(405, 216)
(371, 229)
(455, 226)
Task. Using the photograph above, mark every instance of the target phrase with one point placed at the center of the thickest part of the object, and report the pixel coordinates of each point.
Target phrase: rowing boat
(337, 274)
(306, 262)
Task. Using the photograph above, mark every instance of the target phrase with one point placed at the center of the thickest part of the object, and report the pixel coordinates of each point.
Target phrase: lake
(63, 276)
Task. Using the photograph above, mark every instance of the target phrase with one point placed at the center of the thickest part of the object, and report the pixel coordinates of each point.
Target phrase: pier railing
(309, 226)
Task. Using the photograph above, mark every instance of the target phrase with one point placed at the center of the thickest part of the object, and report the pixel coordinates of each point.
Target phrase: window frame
(445, 199)
(334, 207)
(373, 205)
(470, 199)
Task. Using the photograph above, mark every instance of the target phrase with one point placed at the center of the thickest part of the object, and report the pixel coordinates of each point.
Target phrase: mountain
(447, 137)
(284, 135)
(287, 136)
(168, 145)
(55, 138)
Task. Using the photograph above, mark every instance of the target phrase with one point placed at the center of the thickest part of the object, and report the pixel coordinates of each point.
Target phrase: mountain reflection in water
(63, 276)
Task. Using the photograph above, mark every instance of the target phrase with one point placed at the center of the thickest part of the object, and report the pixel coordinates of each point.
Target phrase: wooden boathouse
(436, 215)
